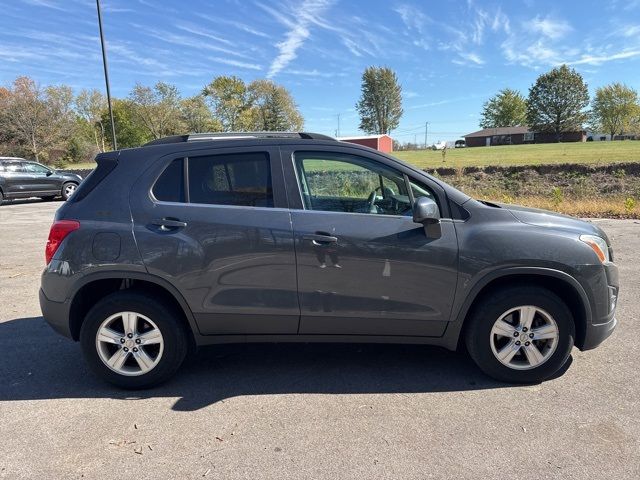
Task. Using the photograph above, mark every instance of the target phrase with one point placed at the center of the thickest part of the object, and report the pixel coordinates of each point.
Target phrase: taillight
(59, 230)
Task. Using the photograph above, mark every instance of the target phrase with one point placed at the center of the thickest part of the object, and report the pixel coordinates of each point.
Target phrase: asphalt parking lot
(308, 411)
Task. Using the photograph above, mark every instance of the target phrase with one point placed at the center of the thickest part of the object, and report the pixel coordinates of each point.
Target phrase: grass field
(587, 153)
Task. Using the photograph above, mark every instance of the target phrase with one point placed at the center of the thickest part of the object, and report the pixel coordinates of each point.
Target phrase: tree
(90, 105)
(197, 116)
(37, 119)
(273, 108)
(557, 101)
(508, 108)
(130, 132)
(157, 109)
(615, 109)
(229, 99)
(380, 105)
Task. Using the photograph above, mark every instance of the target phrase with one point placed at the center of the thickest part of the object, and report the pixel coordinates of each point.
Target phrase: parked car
(20, 178)
(296, 237)
(460, 144)
(439, 146)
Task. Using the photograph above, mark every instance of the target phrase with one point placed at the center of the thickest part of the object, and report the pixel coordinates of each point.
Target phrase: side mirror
(49, 173)
(426, 211)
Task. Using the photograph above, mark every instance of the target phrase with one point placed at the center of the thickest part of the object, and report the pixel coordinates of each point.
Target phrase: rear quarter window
(170, 184)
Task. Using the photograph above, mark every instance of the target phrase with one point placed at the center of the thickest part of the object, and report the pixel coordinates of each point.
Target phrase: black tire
(166, 318)
(478, 333)
(63, 192)
(1, 197)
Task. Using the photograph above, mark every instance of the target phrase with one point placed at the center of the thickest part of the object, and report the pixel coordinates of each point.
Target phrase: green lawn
(588, 152)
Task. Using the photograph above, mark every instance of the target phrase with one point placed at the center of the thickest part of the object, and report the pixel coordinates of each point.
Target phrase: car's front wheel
(133, 341)
(520, 334)
(68, 189)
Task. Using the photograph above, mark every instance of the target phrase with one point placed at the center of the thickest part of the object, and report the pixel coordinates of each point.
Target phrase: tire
(1, 197)
(485, 344)
(151, 314)
(68, 189)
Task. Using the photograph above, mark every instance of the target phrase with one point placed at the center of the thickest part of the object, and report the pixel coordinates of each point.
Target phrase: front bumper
(596, 334)
(56, 314)
(604, 323)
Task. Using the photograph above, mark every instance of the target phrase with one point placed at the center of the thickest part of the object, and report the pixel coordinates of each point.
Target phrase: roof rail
(236, 135)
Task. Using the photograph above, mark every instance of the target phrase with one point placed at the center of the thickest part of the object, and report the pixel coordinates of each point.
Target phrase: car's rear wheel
(133, 341)
(68, 189)
(520, 334)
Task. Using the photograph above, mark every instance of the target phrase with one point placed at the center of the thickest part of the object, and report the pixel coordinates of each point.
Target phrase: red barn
(383, 143)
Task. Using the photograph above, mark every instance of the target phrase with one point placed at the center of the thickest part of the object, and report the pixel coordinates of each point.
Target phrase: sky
(450, 56)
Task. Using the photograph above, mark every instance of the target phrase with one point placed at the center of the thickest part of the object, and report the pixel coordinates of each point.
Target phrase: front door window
(346, 183)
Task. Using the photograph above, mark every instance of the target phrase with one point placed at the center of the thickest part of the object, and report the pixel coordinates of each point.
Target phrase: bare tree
(90, 104)
(158, 109)
(38, 119)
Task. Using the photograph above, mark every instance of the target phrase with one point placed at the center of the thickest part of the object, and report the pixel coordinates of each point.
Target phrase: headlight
(598, 245)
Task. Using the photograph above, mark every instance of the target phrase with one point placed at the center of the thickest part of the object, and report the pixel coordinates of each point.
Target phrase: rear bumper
(56, 314)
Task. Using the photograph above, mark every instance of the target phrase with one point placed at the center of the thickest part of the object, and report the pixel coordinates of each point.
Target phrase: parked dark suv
(20, 178)
(296, 237)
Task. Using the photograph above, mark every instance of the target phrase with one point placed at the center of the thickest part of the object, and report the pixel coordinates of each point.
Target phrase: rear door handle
(320, 238)
(169, 223)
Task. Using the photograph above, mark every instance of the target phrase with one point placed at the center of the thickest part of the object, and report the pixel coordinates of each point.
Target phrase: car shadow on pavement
(23, 201)
(36, 363)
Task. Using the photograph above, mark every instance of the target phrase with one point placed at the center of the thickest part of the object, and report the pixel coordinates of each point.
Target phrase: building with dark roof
(488, 137)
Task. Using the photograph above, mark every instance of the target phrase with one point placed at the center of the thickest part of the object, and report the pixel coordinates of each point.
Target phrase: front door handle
(169, 223)
(320, 238)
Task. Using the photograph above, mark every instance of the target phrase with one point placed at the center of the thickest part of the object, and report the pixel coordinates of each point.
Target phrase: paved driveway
(307, 411)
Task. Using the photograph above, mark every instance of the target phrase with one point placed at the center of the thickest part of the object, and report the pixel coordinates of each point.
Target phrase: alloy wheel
(524, 337)
(69, 189)
(129, 343)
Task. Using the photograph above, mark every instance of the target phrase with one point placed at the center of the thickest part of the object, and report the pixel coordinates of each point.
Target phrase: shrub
(629, 204)
(556, 196)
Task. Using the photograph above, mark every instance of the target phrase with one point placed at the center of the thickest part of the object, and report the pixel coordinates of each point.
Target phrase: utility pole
(106, 75)
(338, 131)
(426, 132)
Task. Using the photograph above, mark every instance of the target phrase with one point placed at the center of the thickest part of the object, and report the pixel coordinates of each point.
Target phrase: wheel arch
(561, 283)
(96, 286)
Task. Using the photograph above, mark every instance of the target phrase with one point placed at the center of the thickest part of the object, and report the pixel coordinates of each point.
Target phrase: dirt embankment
(598, 190)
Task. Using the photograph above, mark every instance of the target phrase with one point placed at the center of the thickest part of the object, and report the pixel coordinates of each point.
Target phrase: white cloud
(553, 29)
(468, 58)
(44, 3)
(600, 59)
(299, 31)
(236, 63)
(189, 28)
(316, 73)
(412, 17)
(630, 31)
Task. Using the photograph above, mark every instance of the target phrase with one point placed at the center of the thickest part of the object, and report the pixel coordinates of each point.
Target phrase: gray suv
(20, 178)
(296, 237)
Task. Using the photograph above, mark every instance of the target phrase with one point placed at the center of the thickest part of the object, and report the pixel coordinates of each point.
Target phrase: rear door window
(235, 179)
